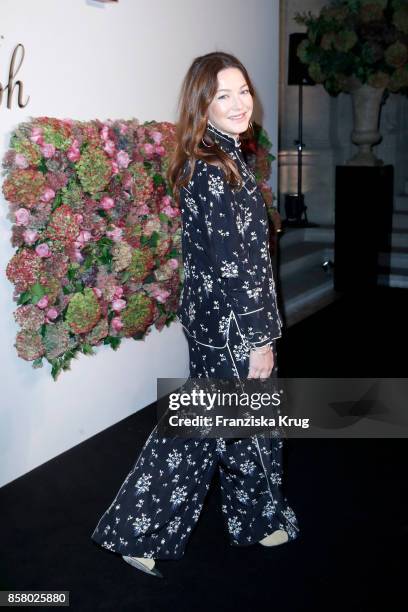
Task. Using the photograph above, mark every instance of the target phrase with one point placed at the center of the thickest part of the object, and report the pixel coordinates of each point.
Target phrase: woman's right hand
(261, 363)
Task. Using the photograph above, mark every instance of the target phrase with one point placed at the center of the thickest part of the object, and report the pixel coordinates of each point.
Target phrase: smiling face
(231, 108)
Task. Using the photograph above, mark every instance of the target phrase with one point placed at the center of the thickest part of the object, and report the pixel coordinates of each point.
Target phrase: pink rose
(107, 203)
(173, 263)
(78, 256)
(118, 305)
(73, 154)
(48, 150)
(143, 210)
(123, 128)
(30, 236)
(97, 292)
(52, 313)
(161, 295)
(84, 236)
(127, 182)
(105, 132)
(115, 234)
(43, 303)
(37, 136)
(123, 159)
(148, 149)
(115, 167)
(78, 217)
(48, 195)
(117, 324)
(165, 201)
(109, 147)
(43, 250)
(118, 292)
(160, 150)
(21, 161)
(157, 136)
(22, 216)
(170, 212)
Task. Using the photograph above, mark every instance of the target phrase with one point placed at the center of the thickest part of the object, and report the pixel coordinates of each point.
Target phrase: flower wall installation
(97, 233)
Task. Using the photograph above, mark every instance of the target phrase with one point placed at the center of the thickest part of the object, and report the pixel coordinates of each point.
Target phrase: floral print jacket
(225, 246)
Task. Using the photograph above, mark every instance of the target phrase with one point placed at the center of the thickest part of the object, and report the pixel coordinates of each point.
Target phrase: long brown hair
(197, 92)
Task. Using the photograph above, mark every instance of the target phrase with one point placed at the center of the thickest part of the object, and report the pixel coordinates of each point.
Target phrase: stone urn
(366, 103)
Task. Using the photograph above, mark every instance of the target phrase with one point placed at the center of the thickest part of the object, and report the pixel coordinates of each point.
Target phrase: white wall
(87, 60)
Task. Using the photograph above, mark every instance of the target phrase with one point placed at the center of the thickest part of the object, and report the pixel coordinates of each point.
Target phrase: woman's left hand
(261, 363)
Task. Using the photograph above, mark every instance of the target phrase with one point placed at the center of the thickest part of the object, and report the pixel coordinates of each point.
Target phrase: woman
(229, 314)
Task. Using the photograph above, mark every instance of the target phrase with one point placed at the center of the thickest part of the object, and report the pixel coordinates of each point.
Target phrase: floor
(350, 496)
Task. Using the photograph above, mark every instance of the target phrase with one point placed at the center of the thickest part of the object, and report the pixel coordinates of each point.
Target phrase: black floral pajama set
(228, 305)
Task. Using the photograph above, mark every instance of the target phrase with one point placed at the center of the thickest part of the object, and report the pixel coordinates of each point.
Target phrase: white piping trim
(263, 466)
(240, 314)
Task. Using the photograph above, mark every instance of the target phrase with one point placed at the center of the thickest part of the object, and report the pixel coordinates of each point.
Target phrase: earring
(206, 145)
(250, 125)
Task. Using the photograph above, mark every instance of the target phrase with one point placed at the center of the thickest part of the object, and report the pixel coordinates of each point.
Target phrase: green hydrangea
(345, 40)
(83, 311)
(29, 345)
(141, 264)
(72, 195)
(396, 54)
(57, 340)
(100, 331)
(94, 170)
(138, 314)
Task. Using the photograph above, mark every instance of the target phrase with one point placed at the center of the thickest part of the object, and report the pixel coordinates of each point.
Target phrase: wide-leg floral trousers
(160, 500)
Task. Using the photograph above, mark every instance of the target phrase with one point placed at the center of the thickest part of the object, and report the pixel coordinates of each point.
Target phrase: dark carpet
(349, 496)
